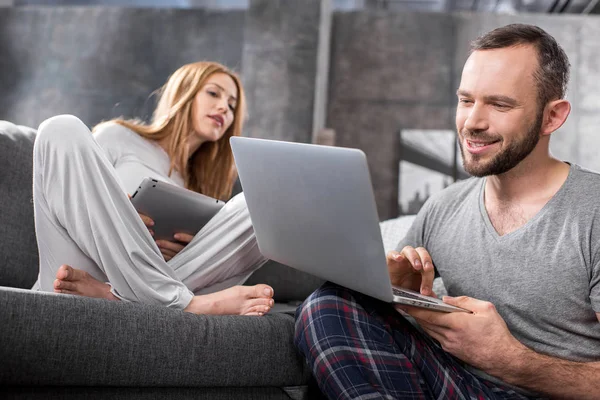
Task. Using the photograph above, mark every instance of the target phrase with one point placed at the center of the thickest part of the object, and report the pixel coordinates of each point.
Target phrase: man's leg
(359, 347)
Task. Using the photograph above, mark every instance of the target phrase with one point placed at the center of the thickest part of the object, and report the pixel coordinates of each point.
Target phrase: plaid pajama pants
(361, 348)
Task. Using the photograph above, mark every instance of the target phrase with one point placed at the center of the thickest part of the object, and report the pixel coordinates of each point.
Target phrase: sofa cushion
(56, 340)
(394, 230)
(18, 247)
(290, 285)
(152, 393)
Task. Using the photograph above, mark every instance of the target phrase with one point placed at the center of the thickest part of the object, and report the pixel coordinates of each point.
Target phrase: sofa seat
(64, 340)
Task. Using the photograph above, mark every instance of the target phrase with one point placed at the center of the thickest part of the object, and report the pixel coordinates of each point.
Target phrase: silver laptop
(312, 208)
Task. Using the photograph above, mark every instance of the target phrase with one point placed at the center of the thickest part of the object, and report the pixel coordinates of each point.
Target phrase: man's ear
(555, 115)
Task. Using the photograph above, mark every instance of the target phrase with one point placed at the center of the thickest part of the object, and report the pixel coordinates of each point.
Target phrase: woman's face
(213, 109)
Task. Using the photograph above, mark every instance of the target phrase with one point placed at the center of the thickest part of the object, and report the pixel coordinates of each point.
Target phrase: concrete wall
(401, 71)
(280, 53)
(388, 71)
(99, 63)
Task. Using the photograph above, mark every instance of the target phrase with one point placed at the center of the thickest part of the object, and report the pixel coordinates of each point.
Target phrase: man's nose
(477, 119)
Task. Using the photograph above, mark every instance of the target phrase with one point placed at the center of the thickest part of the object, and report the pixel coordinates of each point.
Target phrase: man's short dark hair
(552, 75)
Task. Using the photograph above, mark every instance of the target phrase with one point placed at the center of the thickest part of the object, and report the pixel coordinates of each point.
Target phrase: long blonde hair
(210, 170)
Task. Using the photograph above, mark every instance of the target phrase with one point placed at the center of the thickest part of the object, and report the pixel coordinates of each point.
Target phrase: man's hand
(169, 249)
(411, 269)
(481, 339)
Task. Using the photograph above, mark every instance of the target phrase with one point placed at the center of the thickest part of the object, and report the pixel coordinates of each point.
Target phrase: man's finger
(431, 329)
(433, 333)
(394, 255)
(437, 318)
(413, 257)
(468, 303)
(428, 272)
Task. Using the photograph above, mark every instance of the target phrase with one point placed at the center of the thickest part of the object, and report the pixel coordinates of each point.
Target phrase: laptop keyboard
(401, 293)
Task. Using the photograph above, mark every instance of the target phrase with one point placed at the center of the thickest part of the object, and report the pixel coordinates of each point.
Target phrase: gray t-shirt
(544, 278)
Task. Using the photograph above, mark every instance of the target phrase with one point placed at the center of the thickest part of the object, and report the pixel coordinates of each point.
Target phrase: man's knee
(328, 292)
(62, 130)
(329, 301)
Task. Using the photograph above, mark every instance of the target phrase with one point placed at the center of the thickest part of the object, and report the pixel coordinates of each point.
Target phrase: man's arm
(552, 376)
(483, 340)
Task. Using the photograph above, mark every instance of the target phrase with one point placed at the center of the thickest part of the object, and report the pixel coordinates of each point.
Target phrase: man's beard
(508, 158)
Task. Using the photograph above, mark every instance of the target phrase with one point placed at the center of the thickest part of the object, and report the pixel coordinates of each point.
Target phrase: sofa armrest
(53, 339)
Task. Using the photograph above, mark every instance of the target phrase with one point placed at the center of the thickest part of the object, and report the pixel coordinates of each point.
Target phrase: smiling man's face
(498, 118)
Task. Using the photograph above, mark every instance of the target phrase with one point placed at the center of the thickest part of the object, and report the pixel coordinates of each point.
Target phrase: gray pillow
(18, 247)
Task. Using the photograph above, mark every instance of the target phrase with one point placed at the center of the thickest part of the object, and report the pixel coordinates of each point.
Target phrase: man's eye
(464, 101)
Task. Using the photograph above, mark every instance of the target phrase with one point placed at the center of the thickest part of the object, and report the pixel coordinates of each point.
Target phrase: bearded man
(519, 244)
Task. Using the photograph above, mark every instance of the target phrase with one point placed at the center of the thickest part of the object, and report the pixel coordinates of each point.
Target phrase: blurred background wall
(366, 69)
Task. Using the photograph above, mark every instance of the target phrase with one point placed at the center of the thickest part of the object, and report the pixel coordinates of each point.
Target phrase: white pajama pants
(83, 218)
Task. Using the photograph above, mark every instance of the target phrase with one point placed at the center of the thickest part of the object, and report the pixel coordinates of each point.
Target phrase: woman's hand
(146, 219)
(170, 249)
(148, 222)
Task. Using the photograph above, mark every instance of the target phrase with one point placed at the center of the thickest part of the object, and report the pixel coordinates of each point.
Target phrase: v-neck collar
(531, 221)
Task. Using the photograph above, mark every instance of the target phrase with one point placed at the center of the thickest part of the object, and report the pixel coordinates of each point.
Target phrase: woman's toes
(64, 286)
(77, 274)
(255, 313)
(260, 309)
(262, 290)
(64, 272)
(266, 302)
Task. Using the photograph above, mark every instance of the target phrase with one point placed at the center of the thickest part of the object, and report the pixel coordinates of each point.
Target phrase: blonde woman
(84, 218)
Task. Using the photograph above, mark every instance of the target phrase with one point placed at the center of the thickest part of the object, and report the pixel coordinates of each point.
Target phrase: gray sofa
(61, 346)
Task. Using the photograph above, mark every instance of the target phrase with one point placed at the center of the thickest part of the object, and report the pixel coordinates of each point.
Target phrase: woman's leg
(83, 218)
(223, 254)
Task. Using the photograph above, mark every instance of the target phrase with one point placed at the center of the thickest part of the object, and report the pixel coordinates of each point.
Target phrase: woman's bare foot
(237, 300)
(70, 280)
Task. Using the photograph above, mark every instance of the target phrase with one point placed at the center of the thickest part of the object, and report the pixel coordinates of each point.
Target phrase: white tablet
(173, 209)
